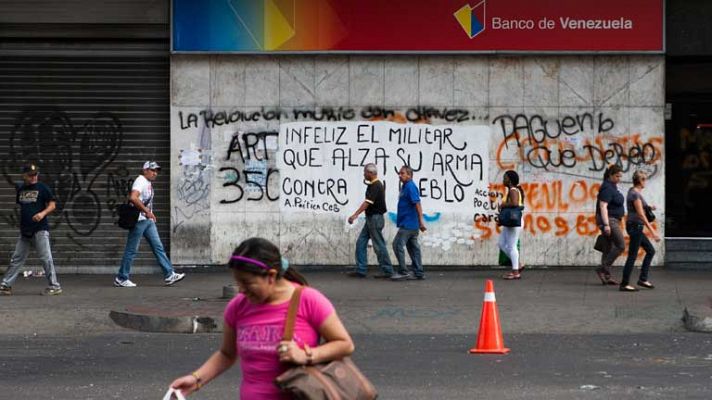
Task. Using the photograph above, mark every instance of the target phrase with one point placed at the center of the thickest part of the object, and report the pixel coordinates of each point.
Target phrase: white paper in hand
(172, 394)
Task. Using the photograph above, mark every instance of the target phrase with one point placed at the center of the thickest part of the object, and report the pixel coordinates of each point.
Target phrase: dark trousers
(615, 244)
(637, 239)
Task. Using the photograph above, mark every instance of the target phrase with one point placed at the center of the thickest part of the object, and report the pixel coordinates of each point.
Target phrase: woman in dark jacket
(610, 209)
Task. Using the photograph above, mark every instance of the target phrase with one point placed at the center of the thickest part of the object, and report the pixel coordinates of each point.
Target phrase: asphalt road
(128, 365)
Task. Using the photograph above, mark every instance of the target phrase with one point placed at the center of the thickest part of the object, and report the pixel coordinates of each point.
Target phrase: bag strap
(292, 314)
(145, 204)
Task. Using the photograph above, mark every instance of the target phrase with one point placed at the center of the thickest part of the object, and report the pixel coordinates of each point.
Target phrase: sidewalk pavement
(556, 300)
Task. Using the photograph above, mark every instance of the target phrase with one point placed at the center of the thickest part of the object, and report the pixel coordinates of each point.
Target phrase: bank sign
(417, 26)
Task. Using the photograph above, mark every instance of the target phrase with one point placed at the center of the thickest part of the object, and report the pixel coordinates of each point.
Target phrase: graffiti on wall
(70, 159)
(320, 170)
(572, 141)
(245, 169)
(214, 119)
(696, 160)
(321, 163)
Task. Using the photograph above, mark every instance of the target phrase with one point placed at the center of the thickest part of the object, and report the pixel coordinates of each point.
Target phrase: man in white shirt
(141, 197)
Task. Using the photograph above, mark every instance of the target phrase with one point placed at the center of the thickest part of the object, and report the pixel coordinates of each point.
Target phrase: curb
(698, 319)
(151, 323)
(230, 291)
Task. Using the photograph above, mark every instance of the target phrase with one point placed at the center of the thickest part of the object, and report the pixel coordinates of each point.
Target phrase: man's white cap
(151, 165)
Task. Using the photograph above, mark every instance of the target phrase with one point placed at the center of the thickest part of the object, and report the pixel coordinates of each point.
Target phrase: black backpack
(128, 215)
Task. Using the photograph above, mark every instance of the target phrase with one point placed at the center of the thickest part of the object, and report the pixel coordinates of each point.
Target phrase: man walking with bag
(36, 202)
(141, 197)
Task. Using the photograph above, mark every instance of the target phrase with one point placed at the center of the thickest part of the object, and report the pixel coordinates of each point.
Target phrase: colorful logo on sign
(472, 18)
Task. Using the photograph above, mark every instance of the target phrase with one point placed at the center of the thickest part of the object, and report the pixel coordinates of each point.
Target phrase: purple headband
(250, 261)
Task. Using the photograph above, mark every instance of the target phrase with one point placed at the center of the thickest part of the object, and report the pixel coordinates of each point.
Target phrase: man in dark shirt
(36, 201)
(375, 207)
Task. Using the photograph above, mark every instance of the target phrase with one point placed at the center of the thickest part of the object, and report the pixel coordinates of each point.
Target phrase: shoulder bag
(333, 380)
(128, 214)
(649, 214)
(511, 216)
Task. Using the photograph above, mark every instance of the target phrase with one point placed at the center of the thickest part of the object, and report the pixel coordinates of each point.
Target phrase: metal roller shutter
(89, 119)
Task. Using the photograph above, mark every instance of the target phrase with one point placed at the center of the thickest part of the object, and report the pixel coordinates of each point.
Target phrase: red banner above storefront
(418, 26)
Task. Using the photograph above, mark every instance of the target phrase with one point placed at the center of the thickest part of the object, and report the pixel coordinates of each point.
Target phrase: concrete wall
(572, 115)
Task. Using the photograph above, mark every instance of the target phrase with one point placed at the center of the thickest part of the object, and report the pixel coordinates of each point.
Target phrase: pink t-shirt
(258, 330)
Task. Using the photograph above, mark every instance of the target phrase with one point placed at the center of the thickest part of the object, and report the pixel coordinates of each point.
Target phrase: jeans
(409, 238)
(373, 229)
(40, 240)
(637, 239)
(508, 244)
(146, 228)
(615, 244)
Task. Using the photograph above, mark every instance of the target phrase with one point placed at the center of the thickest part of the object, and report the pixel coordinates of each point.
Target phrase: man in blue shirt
(410, 222)
(36, 201)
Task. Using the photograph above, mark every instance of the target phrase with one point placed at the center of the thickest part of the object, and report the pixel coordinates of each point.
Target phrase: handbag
(511, 216)
(649, 214)
(333, 380)
(600, 244)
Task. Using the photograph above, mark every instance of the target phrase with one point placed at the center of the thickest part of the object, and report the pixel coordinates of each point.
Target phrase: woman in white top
(514, 197)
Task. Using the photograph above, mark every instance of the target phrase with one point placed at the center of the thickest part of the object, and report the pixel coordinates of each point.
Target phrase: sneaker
(400, 277)
(175, 277)
(354, 274)
(124, 283)
(383, 276)
(416, 277)
(52, 291)
(5, 290)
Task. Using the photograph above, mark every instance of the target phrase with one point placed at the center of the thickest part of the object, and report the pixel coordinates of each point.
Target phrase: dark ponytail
(267, 253)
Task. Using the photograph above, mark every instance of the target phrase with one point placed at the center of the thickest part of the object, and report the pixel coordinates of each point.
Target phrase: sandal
(511, 276)
(646, 284)
(521, 268)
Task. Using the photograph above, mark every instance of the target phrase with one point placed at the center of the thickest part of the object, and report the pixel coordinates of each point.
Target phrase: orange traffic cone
(489, 338)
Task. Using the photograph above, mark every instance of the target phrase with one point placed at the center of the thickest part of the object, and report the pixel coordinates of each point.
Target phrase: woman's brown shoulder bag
(334, 380)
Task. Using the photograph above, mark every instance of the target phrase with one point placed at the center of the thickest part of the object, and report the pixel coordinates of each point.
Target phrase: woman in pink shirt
(254, 324)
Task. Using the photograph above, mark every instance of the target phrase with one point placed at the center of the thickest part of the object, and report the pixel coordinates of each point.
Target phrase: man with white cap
(141, 197)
